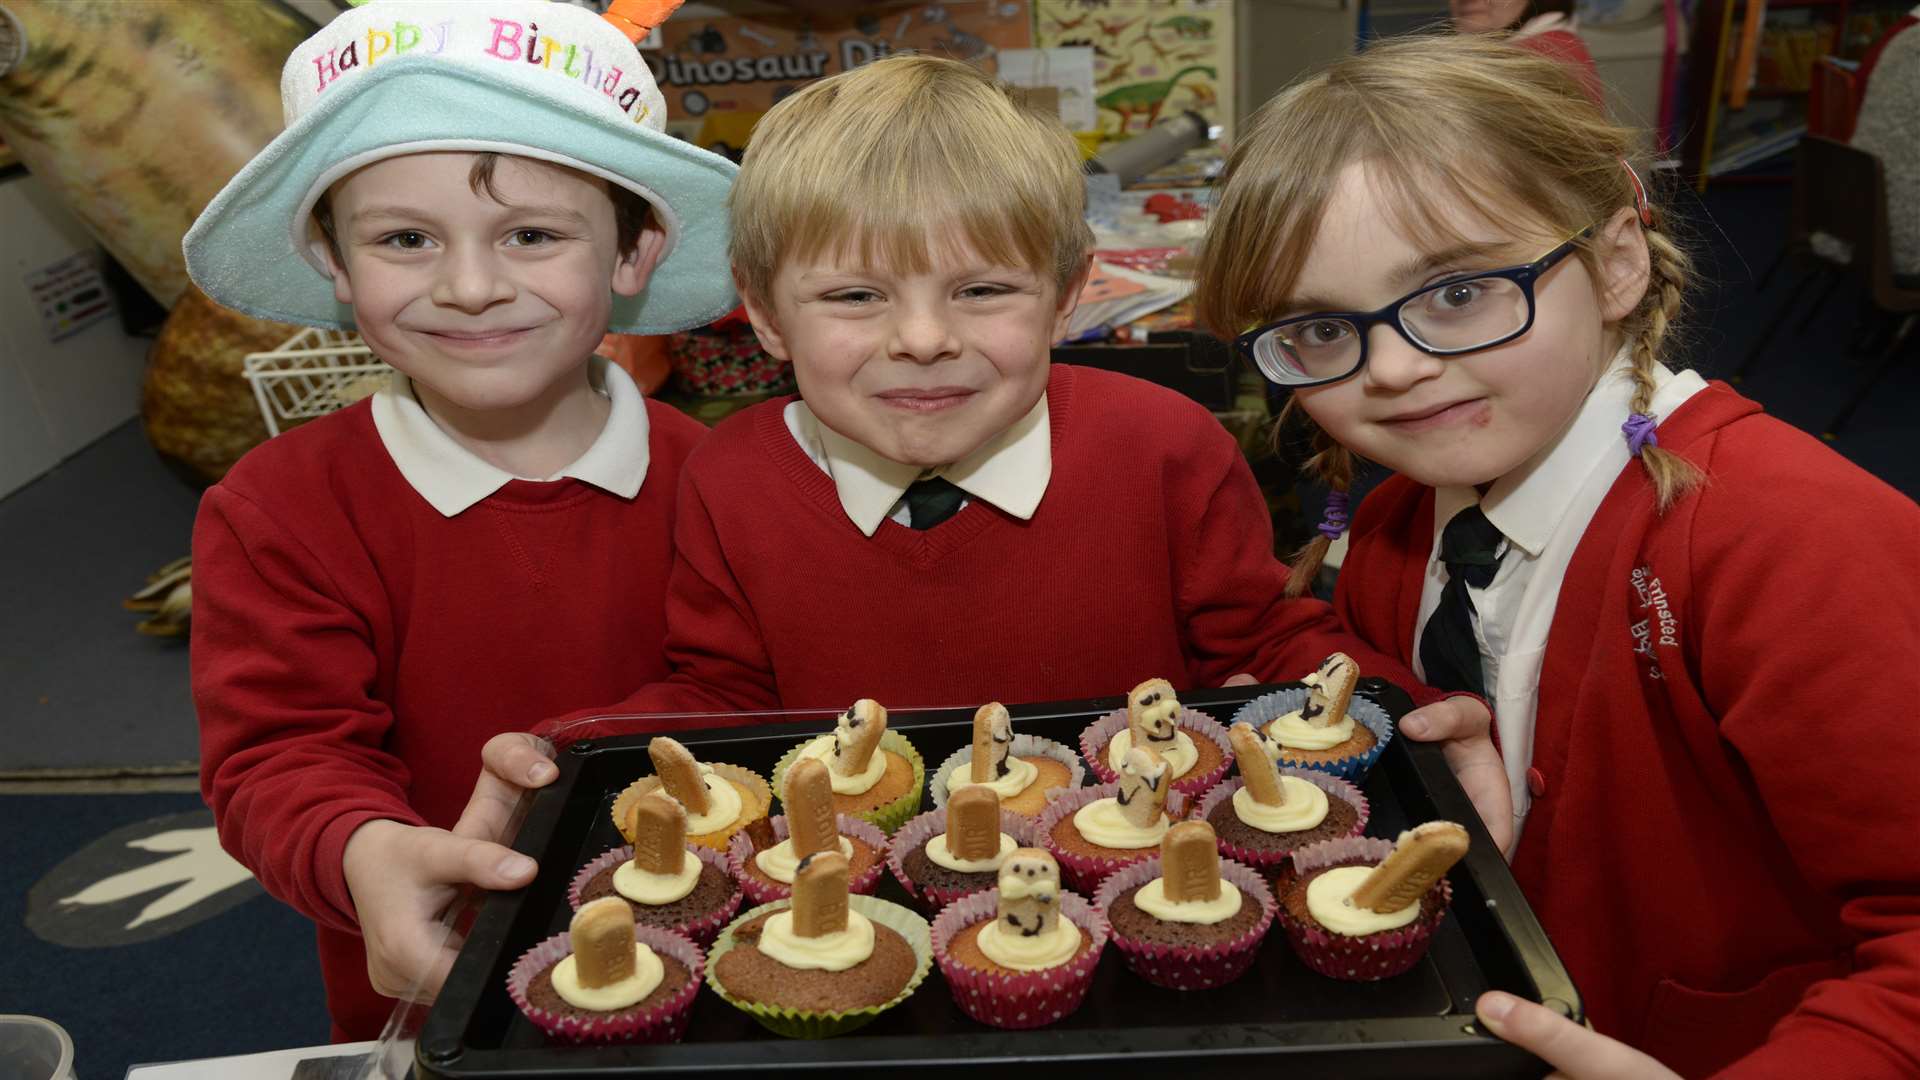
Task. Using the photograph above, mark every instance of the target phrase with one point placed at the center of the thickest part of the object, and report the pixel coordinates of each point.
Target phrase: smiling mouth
(934, 400)
(478, 337)
(1438, 415)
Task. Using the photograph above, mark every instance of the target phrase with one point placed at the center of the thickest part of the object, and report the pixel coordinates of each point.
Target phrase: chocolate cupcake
(668, 883)
(765, 860)
(957, 850)
(1186, 920)
(1361, 908)
(608, 979)
(1267, 812)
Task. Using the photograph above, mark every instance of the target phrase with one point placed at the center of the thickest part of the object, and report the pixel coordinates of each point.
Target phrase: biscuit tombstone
(973, 824)
(820, 895)
(1190, 863)
(1260, 776)
(856, 737)
(1421, 856)
(809, 801)
(1331, 691)
(659, 829)
(679, 773)
(601, 934)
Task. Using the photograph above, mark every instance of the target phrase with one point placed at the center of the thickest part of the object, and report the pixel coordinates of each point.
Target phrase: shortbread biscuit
(973, 823)
(679, 773)
(809, 804)
(1190, 862)
(602, 937)
(1421, 856)
(659, 827)
(820, 895)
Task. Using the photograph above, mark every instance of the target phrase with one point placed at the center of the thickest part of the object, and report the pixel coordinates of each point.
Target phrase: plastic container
(34, 1048)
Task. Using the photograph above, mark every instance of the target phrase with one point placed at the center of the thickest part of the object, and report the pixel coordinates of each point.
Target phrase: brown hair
(1457, 119)
(872, 160)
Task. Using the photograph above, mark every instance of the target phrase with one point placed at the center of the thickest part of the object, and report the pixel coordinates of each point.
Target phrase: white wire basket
(311, 374)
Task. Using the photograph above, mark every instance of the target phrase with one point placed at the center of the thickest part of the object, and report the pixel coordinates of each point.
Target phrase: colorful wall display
(1152, 58)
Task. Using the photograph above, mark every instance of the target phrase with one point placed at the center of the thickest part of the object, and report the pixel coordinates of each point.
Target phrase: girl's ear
(760, 314)
(1624, 265)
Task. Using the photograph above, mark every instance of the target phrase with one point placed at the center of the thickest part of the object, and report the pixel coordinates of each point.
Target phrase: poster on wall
(1151, 58)
(720, 74)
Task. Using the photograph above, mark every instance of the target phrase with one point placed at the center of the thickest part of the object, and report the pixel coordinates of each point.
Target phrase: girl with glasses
(1696, 624)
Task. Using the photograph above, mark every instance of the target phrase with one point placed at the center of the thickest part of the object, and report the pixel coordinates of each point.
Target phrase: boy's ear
(760, 314)
(632, 271)
(1625, 269)
(336, 268)
(1069, 298)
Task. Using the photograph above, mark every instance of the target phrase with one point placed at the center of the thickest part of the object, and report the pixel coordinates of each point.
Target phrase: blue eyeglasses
(1461, 314)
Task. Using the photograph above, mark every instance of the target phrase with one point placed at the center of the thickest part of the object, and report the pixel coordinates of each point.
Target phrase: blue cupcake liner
(1267, 708)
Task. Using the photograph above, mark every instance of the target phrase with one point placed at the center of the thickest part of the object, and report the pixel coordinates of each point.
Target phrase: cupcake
(1023, 955)
(1191, 743)
(1185, 920)
(1266, 813)
(608, 979)
(1362, 908)
(1023, 770)
(1095, 831)
(720, 800)
(822, 962)
(1322, 726)
(765, 864)
(877, 774)
(668, 884)
(957, 850)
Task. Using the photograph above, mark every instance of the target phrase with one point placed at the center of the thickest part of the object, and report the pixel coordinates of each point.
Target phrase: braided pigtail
(1672, 475)
(1333, 464)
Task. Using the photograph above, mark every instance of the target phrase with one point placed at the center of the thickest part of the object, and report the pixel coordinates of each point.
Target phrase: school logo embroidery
(1657, 627)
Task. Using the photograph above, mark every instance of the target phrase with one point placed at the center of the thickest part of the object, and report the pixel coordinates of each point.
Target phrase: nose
(1394, 364)
(923, 334)
(471, 280)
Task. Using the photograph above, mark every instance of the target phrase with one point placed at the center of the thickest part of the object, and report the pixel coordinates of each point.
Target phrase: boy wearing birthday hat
(482, 190)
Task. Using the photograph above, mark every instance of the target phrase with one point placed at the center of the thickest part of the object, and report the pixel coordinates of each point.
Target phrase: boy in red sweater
(487, 538)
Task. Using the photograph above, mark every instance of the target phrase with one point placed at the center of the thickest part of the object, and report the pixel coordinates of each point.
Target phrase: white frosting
(829, 952)
(822, 749)
(1012, 950)
(1330, 902)
(1103, 822)
(1179, 757)
(939, 852)
(1292, 731)
(1152, 899)
(780, 863)
(647, 973)
(1021, 774)
(647, 887)
(1306, 807)
(723, 804)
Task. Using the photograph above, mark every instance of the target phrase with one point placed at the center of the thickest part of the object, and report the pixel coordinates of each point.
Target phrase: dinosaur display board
(1151, 58)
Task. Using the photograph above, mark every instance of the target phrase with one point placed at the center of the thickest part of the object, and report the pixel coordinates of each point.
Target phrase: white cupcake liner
(1023, 746)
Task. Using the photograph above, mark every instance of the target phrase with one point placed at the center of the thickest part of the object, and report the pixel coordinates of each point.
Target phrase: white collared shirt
(452, 478)
(1542, 509)
(1010, 471)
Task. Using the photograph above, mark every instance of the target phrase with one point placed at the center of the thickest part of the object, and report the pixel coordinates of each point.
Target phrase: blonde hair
(872, 161)
(1449, 121)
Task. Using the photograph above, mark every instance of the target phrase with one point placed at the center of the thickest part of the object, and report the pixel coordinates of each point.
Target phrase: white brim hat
(409, 76)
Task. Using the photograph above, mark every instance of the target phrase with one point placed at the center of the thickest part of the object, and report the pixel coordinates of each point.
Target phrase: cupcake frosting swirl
(651, 889)
(1152, 899)
(829, 952)
(1179, 755)
(1330, 902)
(939, 852)
(1305, 808)
(822, 749)
(1020, 774)
(1103, 822)
(1022, 953)
(647, 973)
(723, 804)
(1291, 731)
(780, 863)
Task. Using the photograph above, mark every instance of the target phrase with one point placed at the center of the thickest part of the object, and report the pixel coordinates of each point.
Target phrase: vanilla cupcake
(1193, 745)
(877, 775)
(1095, 831)
(1023, 771)
(1023, 955)
(1322, 726)
(719, 799)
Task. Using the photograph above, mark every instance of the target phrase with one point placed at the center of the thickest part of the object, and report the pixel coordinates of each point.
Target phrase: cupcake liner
(1094, 740)
(757, 792)
(663, 1023)
(1026, 999)
(891, 816)
(1189, 967)
(742, 851)
(1267, 708)
(800, 1024)
(702, 930)
(1270, 858)
(1023, 746)
(1084, 873)
(915, 834)
(1355, 959)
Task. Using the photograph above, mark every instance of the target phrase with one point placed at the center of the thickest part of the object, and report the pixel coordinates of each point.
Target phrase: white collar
(1545, 21)
(453, 478)
(1010, 471)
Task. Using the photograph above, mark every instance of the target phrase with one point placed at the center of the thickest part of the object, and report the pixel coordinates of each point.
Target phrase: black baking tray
(1419, 1024)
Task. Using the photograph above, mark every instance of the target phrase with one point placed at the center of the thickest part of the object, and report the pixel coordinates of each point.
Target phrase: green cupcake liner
(798, 1024)
(889, 817)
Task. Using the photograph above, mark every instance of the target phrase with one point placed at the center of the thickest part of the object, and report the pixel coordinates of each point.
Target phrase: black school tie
(1470, 549)
(932, 501)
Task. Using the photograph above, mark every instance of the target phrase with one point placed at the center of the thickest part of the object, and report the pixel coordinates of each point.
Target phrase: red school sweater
(1723, 840)
(353, 648)
(1151, 555)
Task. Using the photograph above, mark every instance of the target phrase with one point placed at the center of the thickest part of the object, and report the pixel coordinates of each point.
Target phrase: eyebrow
(1412, 268)
(411, 213)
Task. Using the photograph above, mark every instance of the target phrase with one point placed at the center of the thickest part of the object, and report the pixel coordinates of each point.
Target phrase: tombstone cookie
(875, 774)
(1193, 745)
(766, 865)
(608, 980)
(668, 884)
(1267, 812)
(1187, 920)
(1024, 771)
(958, 849)
(1363, 908)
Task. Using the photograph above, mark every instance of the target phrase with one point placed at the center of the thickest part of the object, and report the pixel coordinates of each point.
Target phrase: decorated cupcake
(608, 980)
(668, 884)
(1185, 920)
(1362, 908)
(1193, 745)
(1322, 726)
(1267, 812)
(1023, 770)
(765, 861)
(1023, 955)
(1095, 831)
(877, 775)
(823, 962)
(720, 800)
(958, 849)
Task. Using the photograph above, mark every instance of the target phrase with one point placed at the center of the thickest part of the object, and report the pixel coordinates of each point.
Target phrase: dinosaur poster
(1151, 58)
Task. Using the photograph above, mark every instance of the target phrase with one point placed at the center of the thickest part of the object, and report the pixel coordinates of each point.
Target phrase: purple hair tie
(1335, 520)
(1639, 432)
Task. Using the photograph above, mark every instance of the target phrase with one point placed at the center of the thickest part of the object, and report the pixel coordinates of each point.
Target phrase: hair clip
(637, 18)
(1640, 201)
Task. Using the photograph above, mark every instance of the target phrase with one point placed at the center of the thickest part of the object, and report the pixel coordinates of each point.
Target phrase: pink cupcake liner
(1271, 858)
(702, 930)
(1023, 746)
(1180, 967)
(1356, 959)
(663, 1023)
(1026, 999)
(1083, 872)
(741, 851)
(1094, 740)
(914, 836)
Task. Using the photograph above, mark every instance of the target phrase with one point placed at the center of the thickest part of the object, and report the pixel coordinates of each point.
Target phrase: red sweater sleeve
(290, 733)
